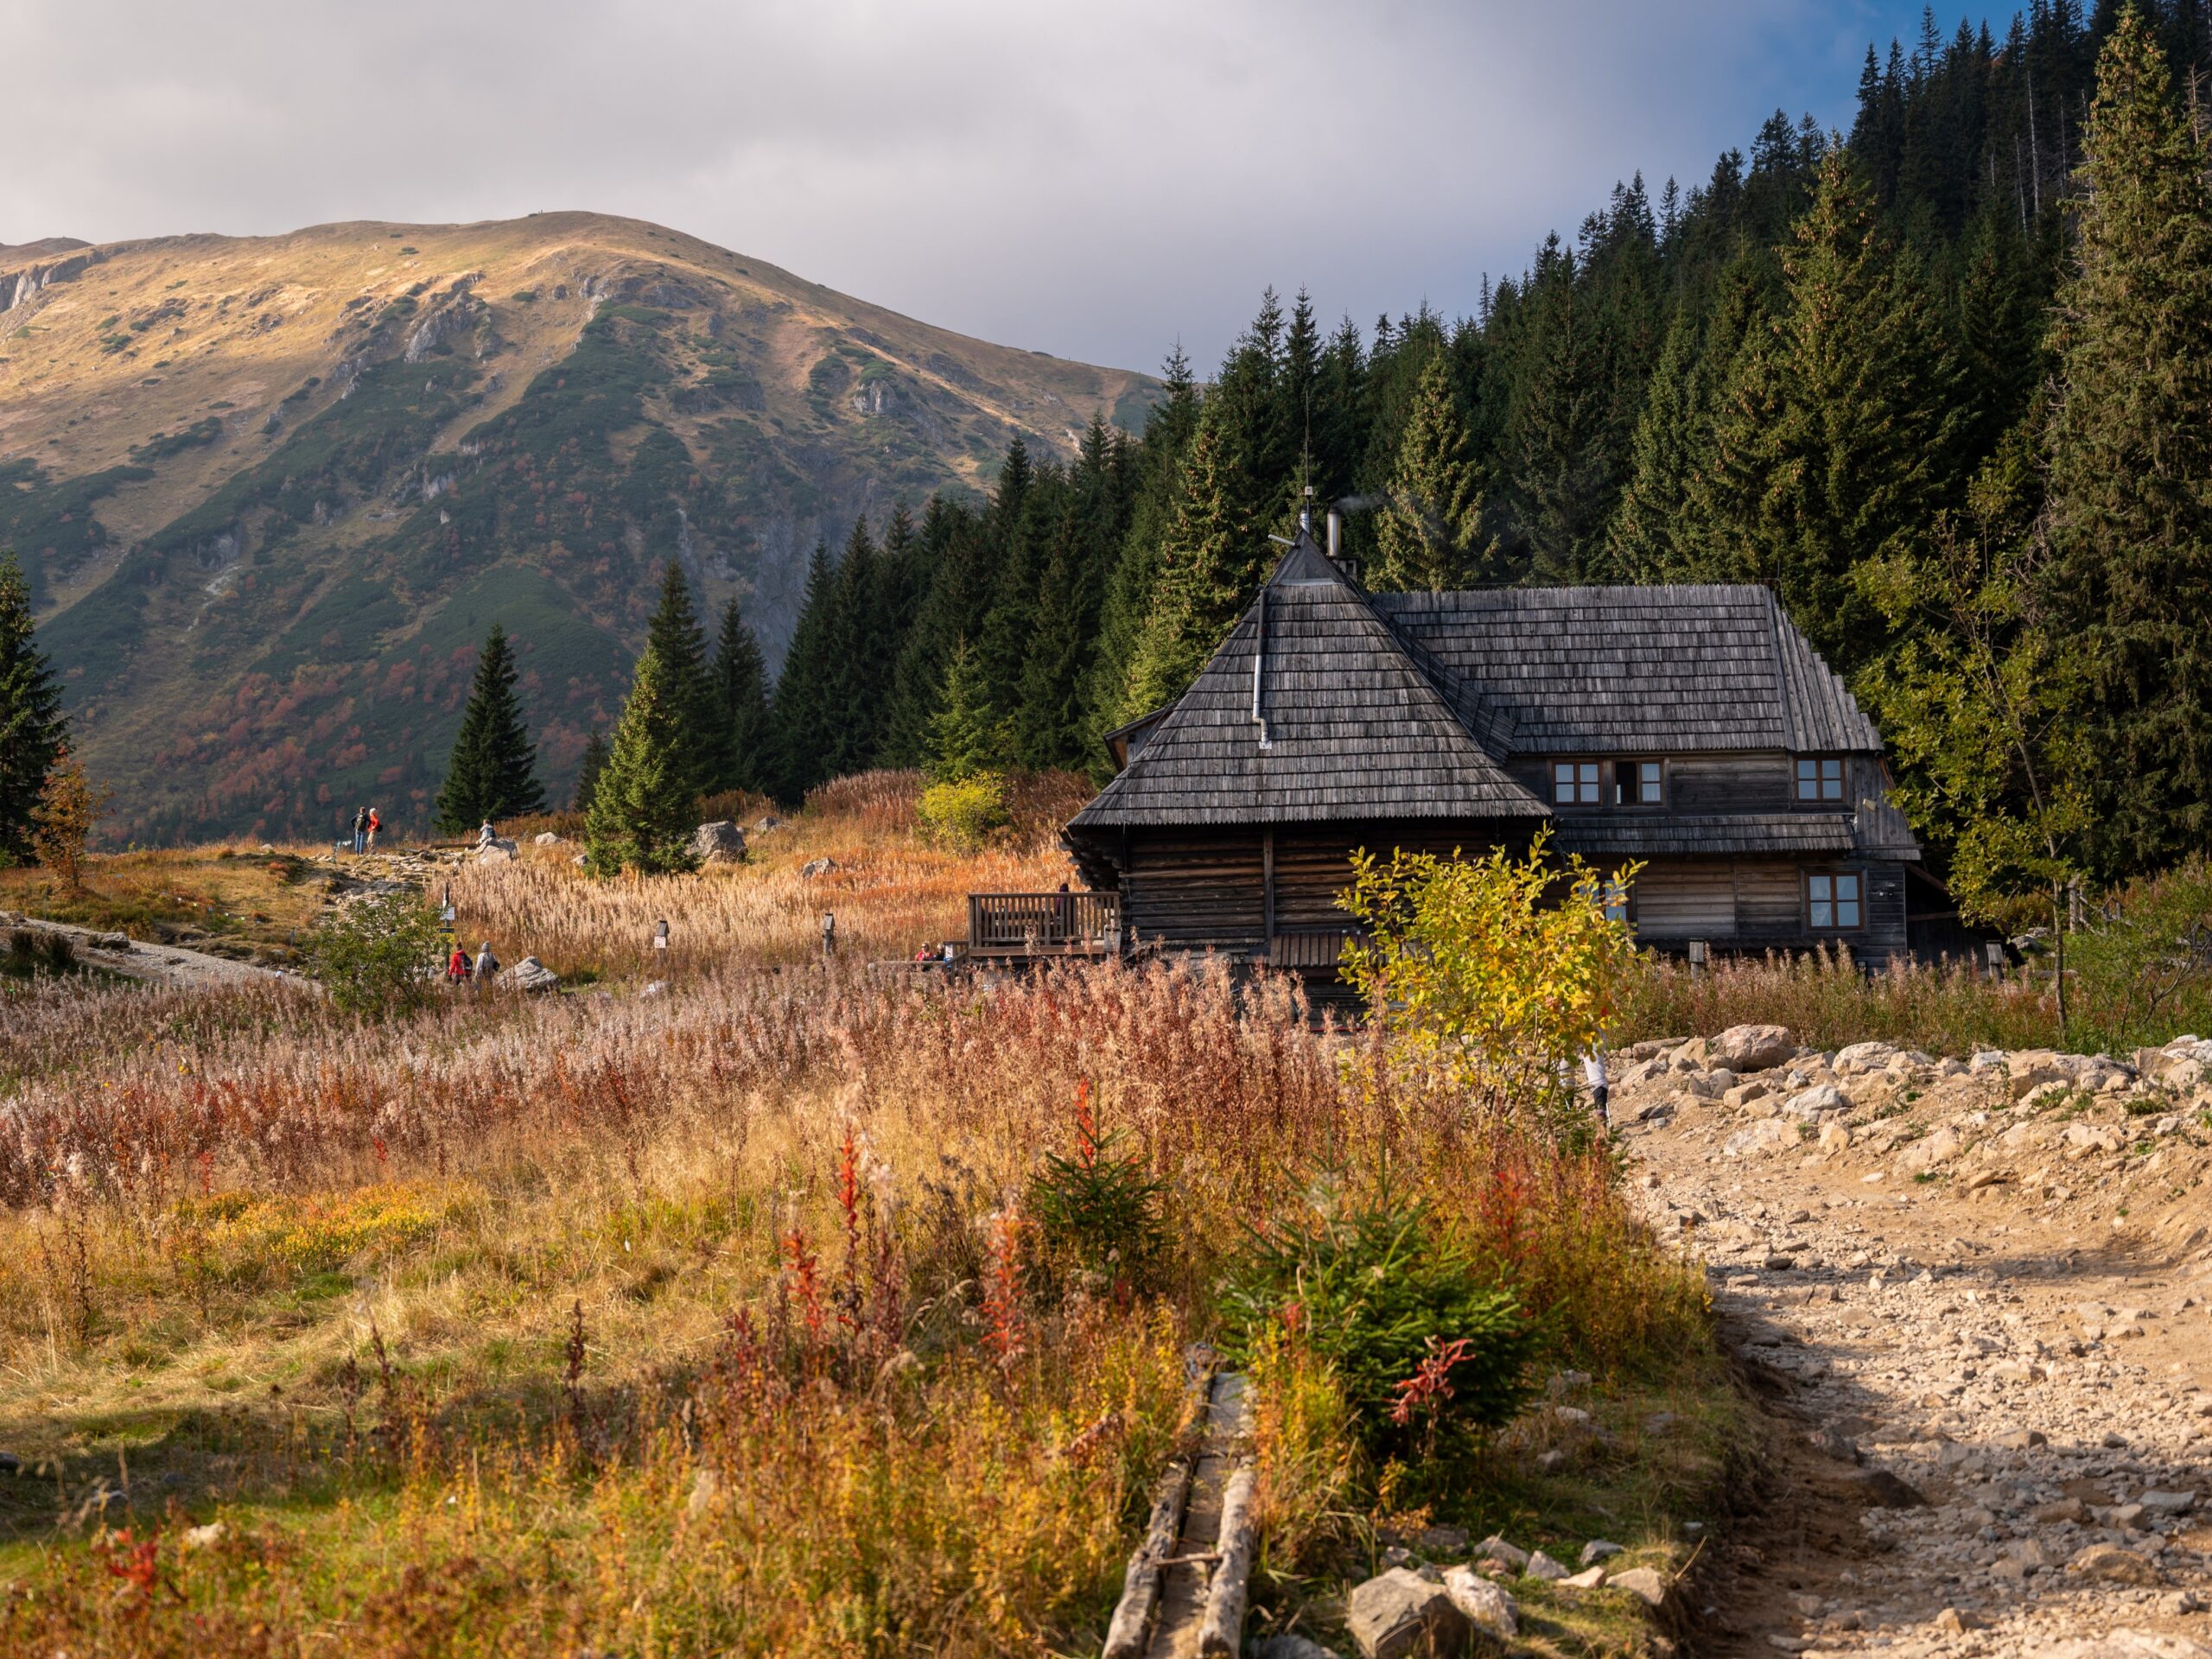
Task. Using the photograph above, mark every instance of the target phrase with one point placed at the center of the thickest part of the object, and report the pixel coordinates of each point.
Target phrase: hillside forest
(1940, 382)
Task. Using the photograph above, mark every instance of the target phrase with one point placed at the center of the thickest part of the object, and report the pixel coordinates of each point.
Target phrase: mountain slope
(270, 491)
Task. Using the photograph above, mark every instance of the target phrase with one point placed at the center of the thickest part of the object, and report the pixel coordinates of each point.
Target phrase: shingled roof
(1623, 670)
(1345, 725)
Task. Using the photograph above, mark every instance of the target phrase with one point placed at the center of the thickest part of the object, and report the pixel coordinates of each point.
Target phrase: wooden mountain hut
(1690, 727)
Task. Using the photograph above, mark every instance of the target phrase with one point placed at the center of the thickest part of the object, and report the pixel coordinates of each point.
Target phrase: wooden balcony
(1023, 925)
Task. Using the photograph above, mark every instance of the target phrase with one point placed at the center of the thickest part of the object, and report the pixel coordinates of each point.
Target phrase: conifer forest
(1940, 381)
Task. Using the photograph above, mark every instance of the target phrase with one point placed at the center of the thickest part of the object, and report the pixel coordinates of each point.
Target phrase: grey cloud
(1091, 180)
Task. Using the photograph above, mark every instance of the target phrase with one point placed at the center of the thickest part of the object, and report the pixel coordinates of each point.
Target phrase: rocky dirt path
(149, 963)
(1975, 1297)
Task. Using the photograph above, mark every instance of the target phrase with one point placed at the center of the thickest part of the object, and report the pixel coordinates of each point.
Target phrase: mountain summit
(271, 492)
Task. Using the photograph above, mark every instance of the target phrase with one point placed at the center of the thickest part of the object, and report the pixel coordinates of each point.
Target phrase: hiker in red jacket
(457, 968)
(375, 824)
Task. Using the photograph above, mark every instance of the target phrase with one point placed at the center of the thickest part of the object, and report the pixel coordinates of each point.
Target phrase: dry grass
(689, 1322)
(234, 899)
(890, 891)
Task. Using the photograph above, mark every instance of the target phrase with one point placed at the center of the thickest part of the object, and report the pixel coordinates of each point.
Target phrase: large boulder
(529, 974)
(547, 838)
(720, 843)
(1402, 1615)
(1762, 1140)
(1752, 1048)
(814, 866)
(496, 851)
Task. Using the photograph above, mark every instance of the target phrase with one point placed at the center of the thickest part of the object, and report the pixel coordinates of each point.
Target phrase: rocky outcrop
(20, 287)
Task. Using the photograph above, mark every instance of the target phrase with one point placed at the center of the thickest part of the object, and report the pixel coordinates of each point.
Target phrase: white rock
(1542, 1566)
(530, 975)
(1483, 1605)
(1764, 1139)
(1823, 1100)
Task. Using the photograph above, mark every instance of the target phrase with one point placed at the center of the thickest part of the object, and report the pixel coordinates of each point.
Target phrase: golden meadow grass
(691, 1323)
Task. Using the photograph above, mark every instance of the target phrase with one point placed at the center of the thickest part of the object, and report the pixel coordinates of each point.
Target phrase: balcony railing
(1043, 923)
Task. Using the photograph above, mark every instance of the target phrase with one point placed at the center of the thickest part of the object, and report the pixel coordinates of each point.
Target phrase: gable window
(1819, 779)
(1833, 901)
(1639, 782)
(1575, 783)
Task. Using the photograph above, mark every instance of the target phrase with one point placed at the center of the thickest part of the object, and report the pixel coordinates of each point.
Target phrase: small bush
(965, 815)
(378, 955)
(1376, 1290)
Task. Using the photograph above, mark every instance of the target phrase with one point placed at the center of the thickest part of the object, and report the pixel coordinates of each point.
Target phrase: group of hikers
(459, 970)
(365, 825)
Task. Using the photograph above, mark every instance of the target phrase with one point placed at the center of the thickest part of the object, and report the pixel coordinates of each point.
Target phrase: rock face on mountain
(271, 492)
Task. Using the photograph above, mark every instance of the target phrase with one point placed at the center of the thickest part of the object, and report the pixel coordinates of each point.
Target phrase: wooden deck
(1019, 926)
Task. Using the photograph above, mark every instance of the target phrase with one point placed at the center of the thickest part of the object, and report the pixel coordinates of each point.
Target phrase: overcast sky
(1095, 179)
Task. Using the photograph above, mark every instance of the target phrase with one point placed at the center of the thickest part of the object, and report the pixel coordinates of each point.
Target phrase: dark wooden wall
(1203, 889)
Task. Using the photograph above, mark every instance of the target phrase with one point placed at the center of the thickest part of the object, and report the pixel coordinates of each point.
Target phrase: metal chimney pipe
(1335, 534)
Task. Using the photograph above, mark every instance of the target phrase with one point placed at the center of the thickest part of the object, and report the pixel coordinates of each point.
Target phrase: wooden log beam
(1221, 1635)
(1125, 1635)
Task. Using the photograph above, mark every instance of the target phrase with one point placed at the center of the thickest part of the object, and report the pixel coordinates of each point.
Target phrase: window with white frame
(1575, 783)
(1833, 901)
(1819, 779)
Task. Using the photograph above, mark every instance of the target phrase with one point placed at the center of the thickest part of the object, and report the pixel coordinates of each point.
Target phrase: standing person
(375, 824)
(1593, 1074)
(487, 964)
(457, 970)
(361, 828)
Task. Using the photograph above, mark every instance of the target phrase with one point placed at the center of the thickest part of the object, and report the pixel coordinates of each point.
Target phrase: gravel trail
(1975, 1303)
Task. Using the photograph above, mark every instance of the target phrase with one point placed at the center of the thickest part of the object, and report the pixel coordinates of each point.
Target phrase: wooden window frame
(1631, 770)
(1595, 782)
(1806, 878)
(1819, 797)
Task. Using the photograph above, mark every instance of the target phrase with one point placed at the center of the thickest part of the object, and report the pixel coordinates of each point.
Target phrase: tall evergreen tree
(32, 728)
(949, 598)
(645, 808)
(680, 642)
(1209, 563)
(1135, 565)
(802, 737)
(741, 681)
(588, 770)
(2130, 453)
(1428, 531)
(1837, 444)
(966, 735)
(493, 770)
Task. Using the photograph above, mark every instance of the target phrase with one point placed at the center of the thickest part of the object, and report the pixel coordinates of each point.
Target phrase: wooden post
(829, 935)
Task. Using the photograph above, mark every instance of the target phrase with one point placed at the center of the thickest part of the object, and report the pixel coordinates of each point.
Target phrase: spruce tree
(966, 736)
(677, 638)
(1837, 443)
(740, 682)
(1209, 563)
(801, 735)
(493, 771)
(588, 770)
(945, 561)
(32, 728)
(644, 807)
(2130, 455)
(1427, 533)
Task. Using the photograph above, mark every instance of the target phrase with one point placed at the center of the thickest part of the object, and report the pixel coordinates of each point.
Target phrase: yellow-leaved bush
(1496, 973)
(965, 813)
